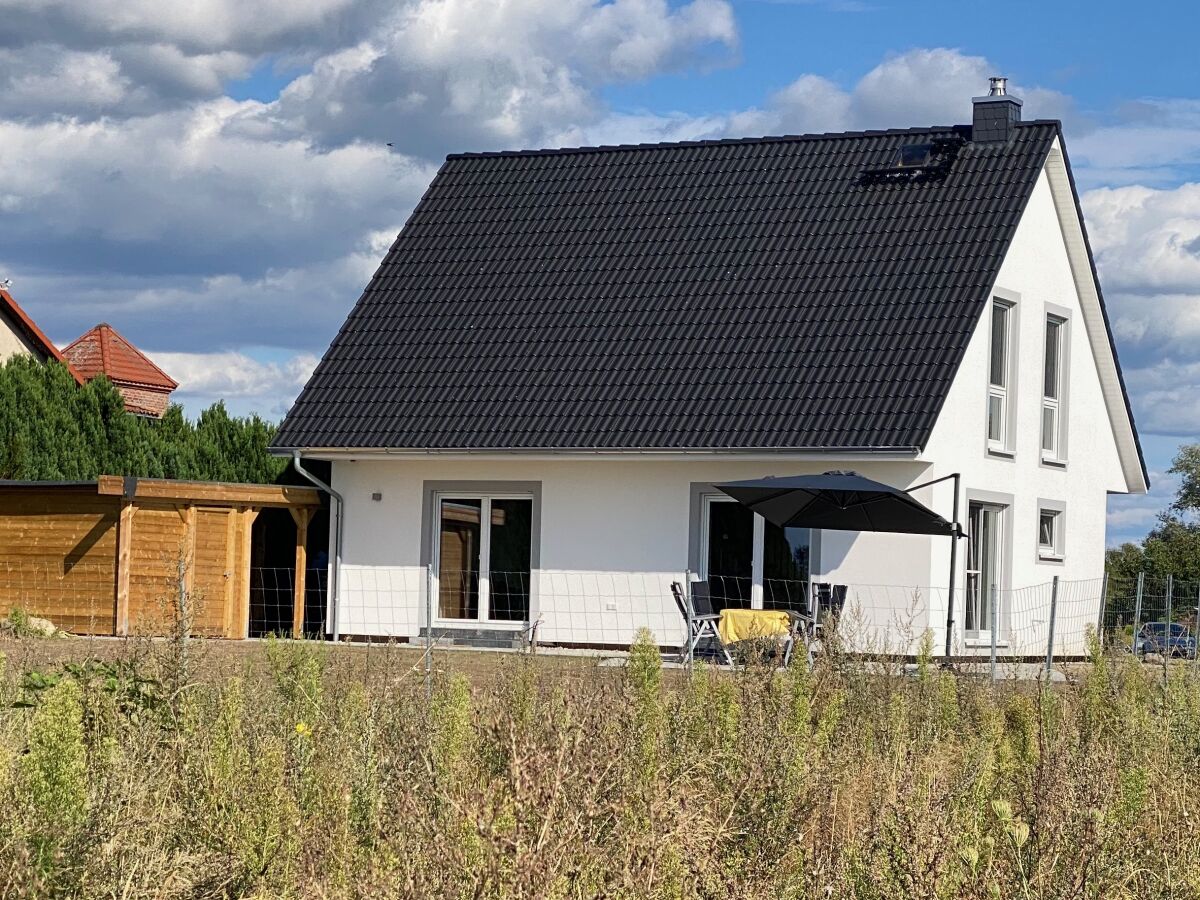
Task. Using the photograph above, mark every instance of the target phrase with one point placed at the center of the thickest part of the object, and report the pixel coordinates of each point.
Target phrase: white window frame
(1055, 552)
(757, 549)
(483, 616)
(1002, 504)
(1056, 455)
(1005, 394)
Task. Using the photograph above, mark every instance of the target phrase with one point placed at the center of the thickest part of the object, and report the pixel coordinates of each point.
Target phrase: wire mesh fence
(1154, 617)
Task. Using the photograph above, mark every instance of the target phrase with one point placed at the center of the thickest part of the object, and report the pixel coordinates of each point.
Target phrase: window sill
(481, 624)
(1001, 452)
(1053, 462)
(1050, 558)
(977, 643)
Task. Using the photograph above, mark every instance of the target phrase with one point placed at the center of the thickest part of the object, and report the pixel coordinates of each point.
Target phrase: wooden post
(300, 516)
(247, 517)
(188, 550)
(124, 560)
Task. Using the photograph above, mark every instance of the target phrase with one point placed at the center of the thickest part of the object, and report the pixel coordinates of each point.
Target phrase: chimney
(995, 115)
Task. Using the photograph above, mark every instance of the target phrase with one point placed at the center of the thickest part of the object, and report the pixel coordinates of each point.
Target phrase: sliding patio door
(750, 563)
(484, 556)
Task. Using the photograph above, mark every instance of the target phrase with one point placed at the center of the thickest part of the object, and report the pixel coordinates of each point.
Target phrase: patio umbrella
(839, 501)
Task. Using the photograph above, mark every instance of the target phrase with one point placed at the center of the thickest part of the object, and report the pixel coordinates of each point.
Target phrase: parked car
(1152, 638)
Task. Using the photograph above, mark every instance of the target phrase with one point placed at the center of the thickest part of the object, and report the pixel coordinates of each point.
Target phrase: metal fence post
(689, 650)
(429, 631)
(1196, 642)
(1050, 636)
(992, 626)
(1137, 612)
(1167, 631)
(1103, 609)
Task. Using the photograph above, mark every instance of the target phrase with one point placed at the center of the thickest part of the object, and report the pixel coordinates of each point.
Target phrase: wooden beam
(211, 493)
(301, 517)
(124, 551)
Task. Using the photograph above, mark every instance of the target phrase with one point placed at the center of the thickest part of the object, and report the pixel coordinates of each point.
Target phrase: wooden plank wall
(100, 564)
(206, 541)
(58, 558)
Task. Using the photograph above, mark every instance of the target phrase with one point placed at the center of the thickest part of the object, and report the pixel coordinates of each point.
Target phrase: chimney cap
(998, 92)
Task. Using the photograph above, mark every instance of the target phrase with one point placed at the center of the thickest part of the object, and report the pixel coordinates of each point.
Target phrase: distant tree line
(51, 429)
(1173, 546)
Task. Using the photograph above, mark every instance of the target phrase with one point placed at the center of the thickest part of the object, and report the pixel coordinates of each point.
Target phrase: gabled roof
(18, 319)
(790, 293)
(104, 351)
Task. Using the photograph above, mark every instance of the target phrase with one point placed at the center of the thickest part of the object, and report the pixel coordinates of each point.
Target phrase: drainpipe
(335, 576)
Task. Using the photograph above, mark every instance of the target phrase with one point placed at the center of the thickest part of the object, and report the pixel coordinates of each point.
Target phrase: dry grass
(296, 770)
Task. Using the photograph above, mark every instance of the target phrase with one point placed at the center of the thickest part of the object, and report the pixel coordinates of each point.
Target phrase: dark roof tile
(739, 294)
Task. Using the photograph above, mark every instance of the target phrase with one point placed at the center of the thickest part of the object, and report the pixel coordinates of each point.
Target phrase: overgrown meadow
(296, 771)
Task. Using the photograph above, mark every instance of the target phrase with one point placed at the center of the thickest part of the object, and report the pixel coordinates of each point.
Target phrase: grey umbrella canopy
(839, 501)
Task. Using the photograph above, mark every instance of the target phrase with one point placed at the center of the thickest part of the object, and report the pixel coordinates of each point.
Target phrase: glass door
(983, 568)
(750, 563)
(729, 553)
(484, 558)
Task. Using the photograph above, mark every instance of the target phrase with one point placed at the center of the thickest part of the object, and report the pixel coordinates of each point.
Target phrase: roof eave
(594, 452)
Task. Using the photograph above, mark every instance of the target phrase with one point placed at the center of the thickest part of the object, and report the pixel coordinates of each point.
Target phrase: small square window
(1050, 537)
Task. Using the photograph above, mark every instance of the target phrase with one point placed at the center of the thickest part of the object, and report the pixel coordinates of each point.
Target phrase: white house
(565, 350)
(20, 335)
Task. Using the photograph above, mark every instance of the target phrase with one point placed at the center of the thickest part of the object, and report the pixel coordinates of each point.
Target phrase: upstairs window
(1000, 377)
(1053, 384)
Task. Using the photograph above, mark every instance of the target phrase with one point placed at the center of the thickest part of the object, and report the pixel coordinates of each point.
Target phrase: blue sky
(214, 178)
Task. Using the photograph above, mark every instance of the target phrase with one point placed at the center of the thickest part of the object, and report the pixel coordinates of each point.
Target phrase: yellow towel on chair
(743, 624)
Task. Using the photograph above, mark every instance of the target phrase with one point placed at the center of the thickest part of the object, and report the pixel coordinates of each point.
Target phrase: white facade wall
(12, 341)
(614, 533)
(1037, 274)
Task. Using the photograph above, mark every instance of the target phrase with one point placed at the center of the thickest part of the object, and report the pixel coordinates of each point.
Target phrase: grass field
(132, 769)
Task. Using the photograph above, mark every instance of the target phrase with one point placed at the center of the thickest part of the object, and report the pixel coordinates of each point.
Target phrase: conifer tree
(52, 429)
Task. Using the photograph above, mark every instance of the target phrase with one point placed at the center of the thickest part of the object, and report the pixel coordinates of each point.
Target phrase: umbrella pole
(953, 575)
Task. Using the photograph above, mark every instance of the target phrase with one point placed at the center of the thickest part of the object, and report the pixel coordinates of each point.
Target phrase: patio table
(743, 624)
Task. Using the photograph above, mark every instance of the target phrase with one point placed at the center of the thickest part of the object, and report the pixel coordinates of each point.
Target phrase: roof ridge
(100, 333)
(728, 142)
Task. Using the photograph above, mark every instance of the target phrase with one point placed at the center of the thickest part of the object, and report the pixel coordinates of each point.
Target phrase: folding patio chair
(696, 607)
(800, 628)
(828, 602)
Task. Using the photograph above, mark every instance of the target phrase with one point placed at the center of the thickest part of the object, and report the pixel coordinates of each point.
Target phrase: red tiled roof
(103, 350)
(20, 319)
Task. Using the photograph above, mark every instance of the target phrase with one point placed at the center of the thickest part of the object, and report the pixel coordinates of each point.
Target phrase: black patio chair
(695, 605)
(828, 602)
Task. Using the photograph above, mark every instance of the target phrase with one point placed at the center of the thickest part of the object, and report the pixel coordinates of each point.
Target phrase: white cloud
(243, 382)
(444, 75)
(918, 87)
(183, 183)
(1168, 397)
(196, 24)
(1147, 247)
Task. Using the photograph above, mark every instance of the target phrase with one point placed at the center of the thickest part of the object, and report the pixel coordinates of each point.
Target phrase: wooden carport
(103, 557)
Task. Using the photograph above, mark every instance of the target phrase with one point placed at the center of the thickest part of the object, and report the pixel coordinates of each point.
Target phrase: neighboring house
(564, 350)
(19, 334)
(145, 388)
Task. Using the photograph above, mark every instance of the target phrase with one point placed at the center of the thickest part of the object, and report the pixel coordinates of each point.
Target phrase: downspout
(336, 565)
